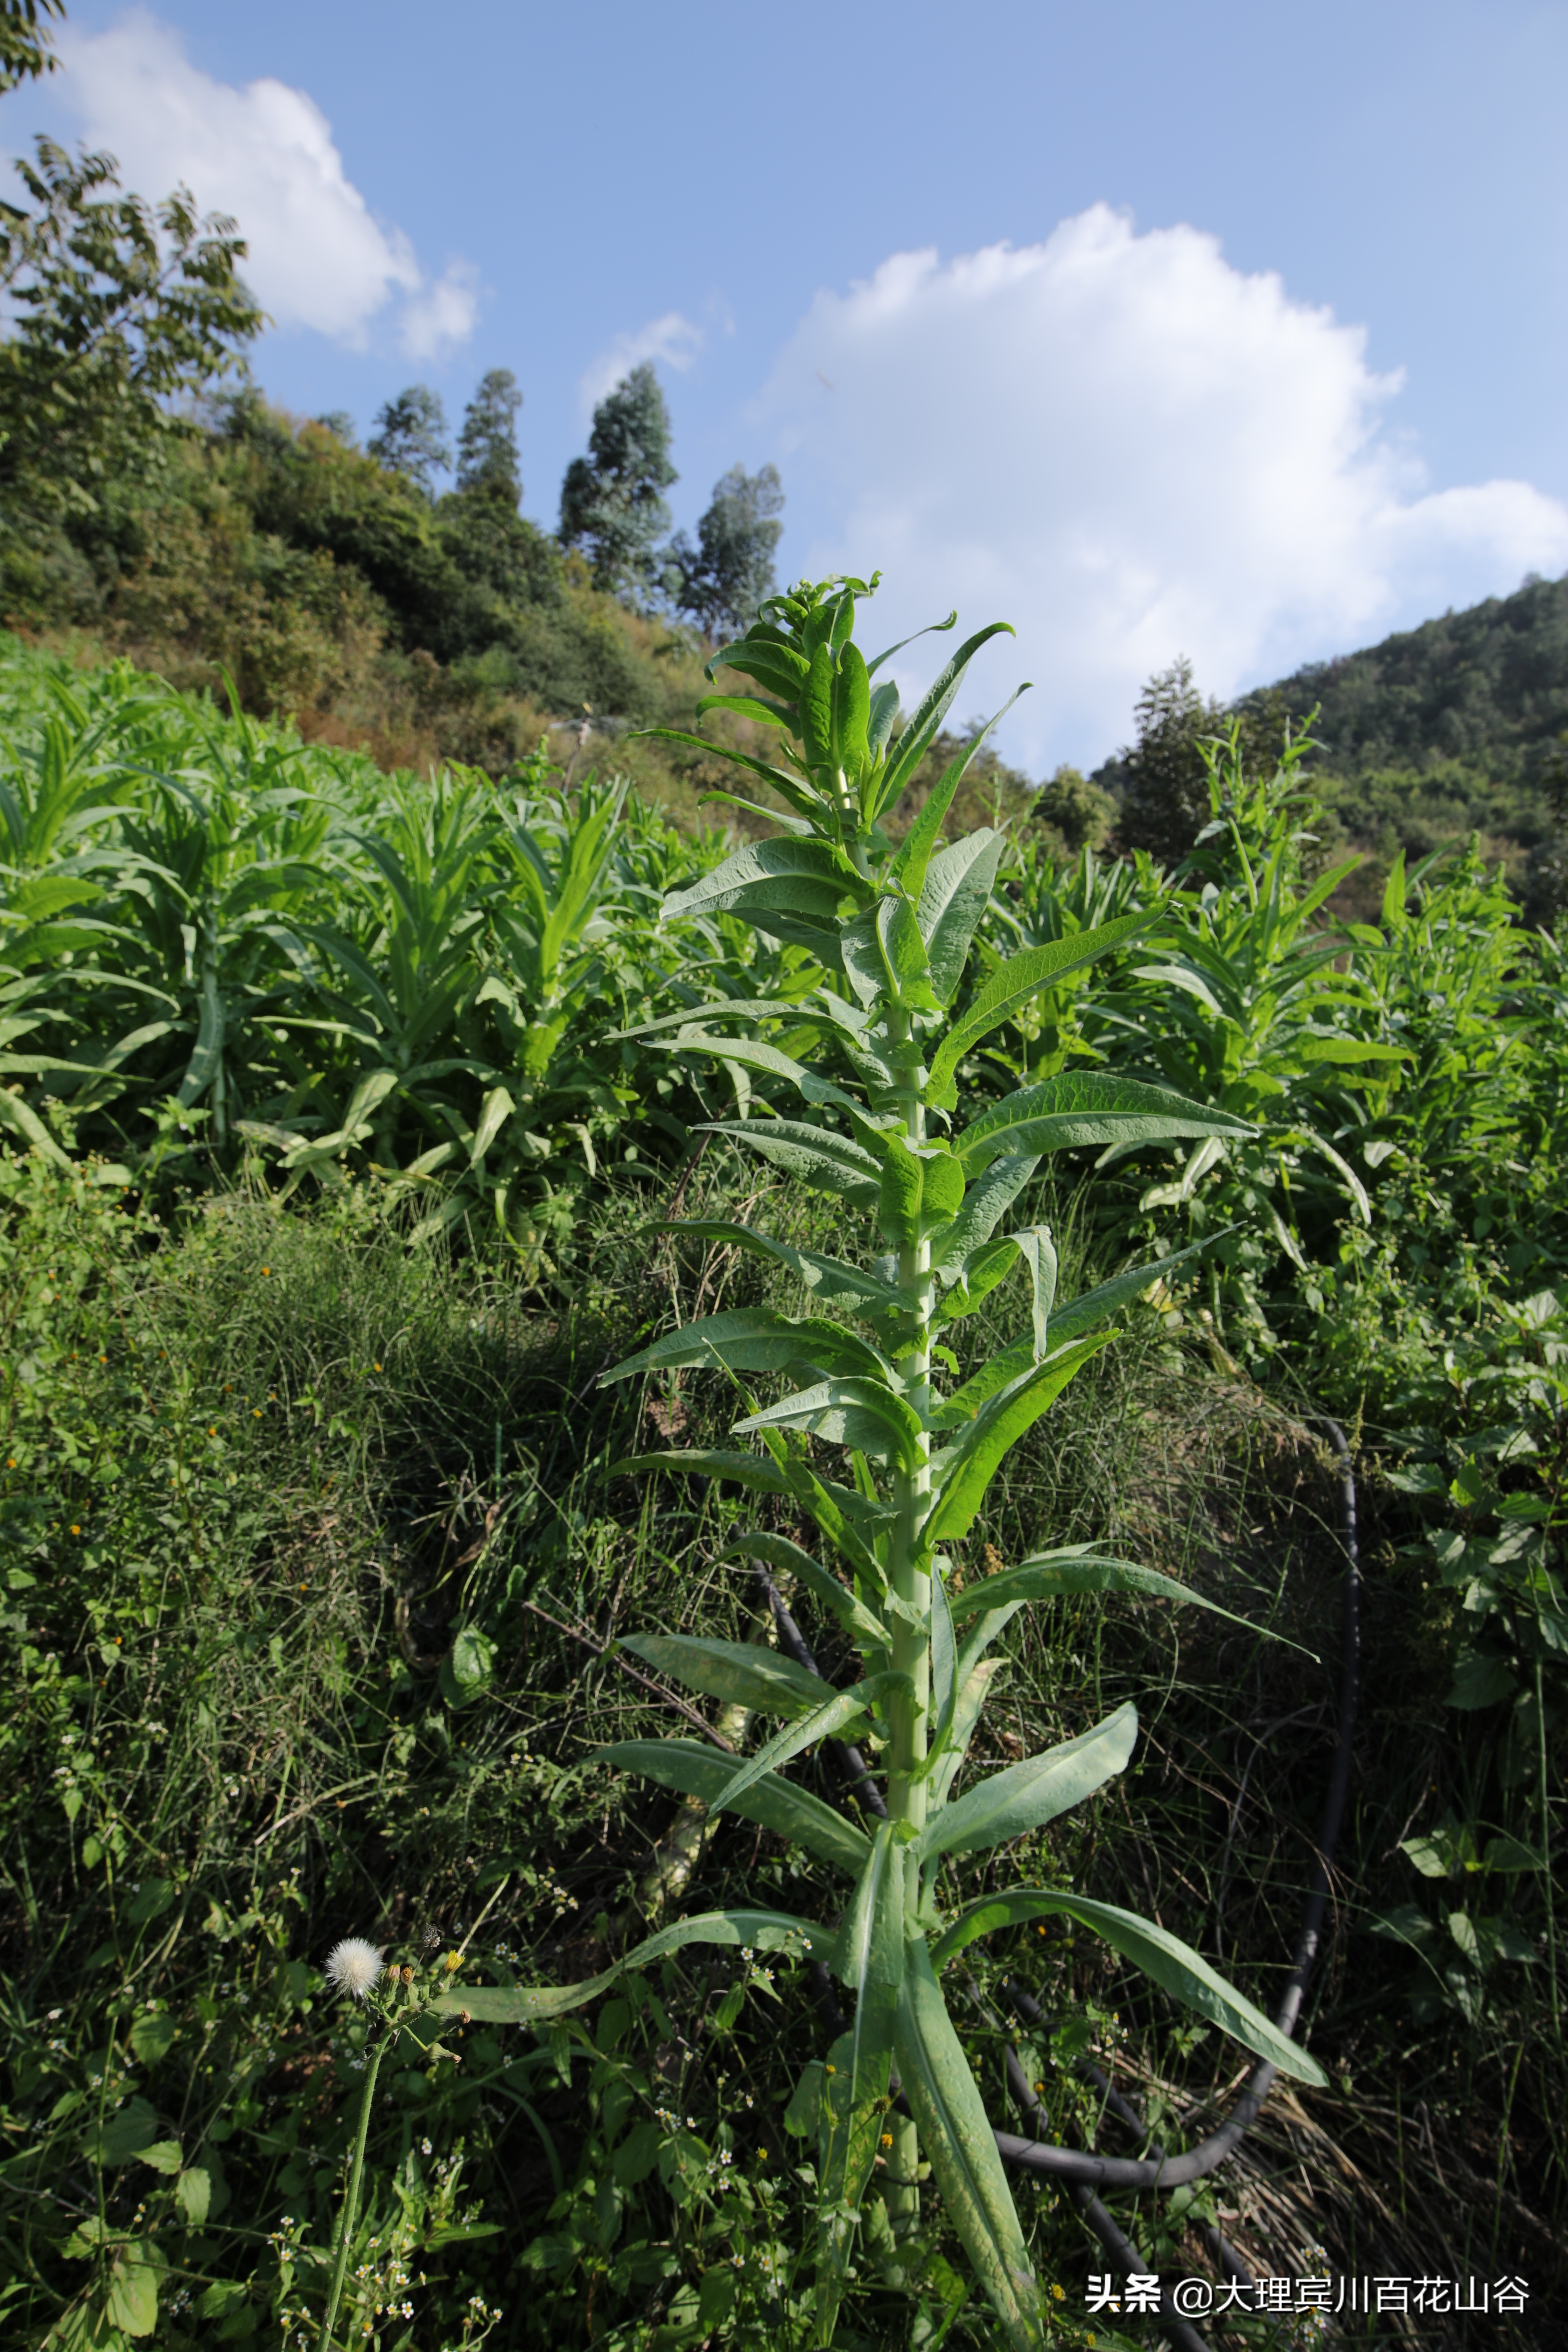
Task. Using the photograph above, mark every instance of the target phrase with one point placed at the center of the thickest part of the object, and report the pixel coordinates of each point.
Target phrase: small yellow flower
(886, 2139)
(75, 1529)
(762, 2156)
(267, 1270)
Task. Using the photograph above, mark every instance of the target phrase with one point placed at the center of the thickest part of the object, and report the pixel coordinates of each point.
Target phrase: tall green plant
(891, 931)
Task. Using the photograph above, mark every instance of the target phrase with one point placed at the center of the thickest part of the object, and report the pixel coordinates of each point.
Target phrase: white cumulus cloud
(1130, 450)
(672, 339)
(318, 256)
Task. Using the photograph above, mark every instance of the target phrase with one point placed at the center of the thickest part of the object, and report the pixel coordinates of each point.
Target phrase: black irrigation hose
(1082, 2174)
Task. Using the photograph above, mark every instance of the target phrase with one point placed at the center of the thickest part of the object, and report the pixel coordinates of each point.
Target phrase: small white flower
(354, 1966)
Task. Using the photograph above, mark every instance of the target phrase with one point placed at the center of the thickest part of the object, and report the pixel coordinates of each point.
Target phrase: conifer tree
(486, 446)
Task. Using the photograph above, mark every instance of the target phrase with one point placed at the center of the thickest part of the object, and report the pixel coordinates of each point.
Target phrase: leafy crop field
(328, 1170)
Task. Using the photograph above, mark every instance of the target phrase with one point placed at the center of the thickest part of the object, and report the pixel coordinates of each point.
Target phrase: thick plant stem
(910, 1581)
(351, 2199)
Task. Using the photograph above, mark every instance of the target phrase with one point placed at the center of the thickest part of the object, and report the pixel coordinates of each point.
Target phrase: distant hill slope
(1485, 690)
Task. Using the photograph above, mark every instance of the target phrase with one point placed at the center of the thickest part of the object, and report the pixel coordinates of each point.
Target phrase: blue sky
(1229, 331)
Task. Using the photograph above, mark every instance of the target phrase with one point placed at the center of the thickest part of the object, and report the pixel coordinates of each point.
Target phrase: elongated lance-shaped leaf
(915, 851)
(791, 1560)
(823, 1722)
(1087, 1107)
(1038, 1251)
(933, 628)
(778, 1804)
(974, 1677)
(755, 1053)
(884, 958)
(760, 1931)
(1061, 1575)
(985, 1203)
(954, 896)
(812, 876)
(847, 2140)
(1068, 1322)
(869, 1958)
(944, 1662)
(964, 1470)
(827, 1162)
(846, 1412)
(962, 2148)
(823, 1007)
(835, 1282)
(741, 1673)
(756, 1339)
(836, 1511)
(1172, 1965)
(1012, 983)
(930, 711)
(746, 1469)
(1027, 1795)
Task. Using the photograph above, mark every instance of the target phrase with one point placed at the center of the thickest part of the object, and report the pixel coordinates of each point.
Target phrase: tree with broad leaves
(117, 309)
(612, 501)
(27, 44)
(410, 436)
(724, 578)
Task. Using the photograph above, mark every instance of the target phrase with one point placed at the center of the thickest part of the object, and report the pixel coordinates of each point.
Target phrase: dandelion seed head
(354, 1966)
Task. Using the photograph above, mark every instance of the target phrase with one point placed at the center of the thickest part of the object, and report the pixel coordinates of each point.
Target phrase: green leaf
(870, 1958)
(974, 1677)
(518, 2004)
(1012, 983)
(1078, 1569)
(909, 868)
(1038, 1251)
(153, 2036)
(943, 1663)
(1173, 1965)
(1068, 1322)
(823, 1722)
(816, 1155)
(1086, 1106)
(754, 1340)
(132, 2300)
(956, 2134)
(920, 1191)
(746, 706)
(816, 710)
(754, 1054)
(964, 1470)
(985, 1203)
(701, 1771)
(741, 1673)
(834, 1507)
(954, 897)
(846, 1412)
(468, 1668)
(932, 709)
(847, 2137)
(125, 2134)
(808, 877)
(835, 1282)
(851, 711)
(793, 789)
(782, 1553)
(1026, 1795)
(193, 2194)
(745, 1469)
(884, 956)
